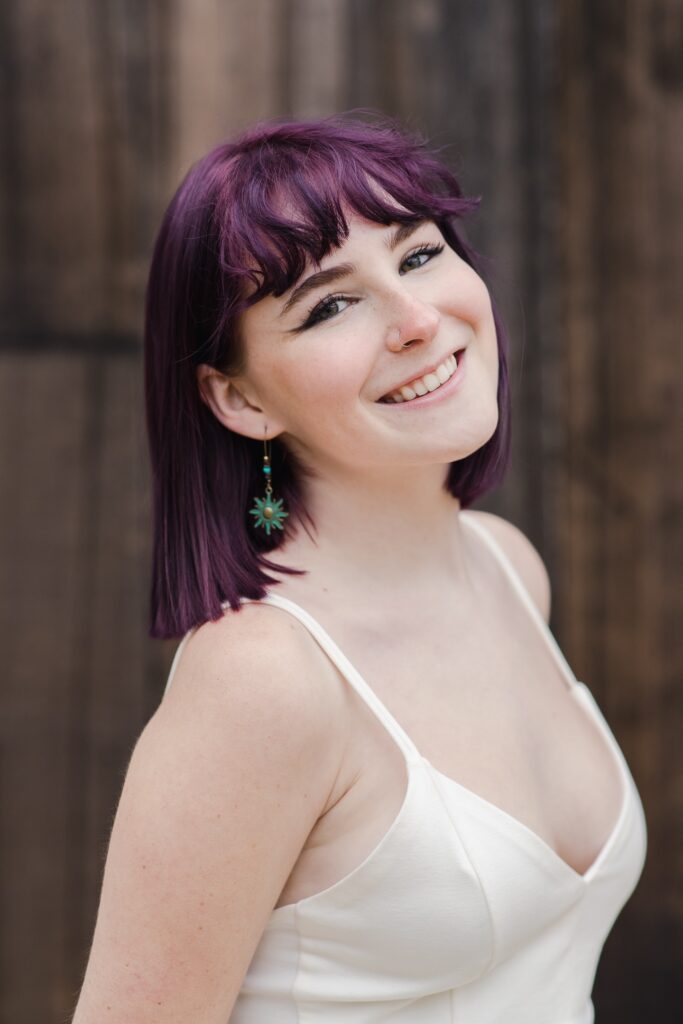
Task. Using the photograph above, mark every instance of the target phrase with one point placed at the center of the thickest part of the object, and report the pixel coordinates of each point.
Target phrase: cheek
(331, 371)
(471, 299)
(472, 304)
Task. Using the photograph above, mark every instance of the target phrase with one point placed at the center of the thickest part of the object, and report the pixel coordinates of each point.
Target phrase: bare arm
(223, 787)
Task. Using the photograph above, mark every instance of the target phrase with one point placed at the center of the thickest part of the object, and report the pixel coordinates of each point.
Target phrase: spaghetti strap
(363, 689)
(336, 656)
(176, 658)
(531, 606)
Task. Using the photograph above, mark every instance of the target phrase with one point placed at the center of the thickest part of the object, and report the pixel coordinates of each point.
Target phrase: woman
(437, 823)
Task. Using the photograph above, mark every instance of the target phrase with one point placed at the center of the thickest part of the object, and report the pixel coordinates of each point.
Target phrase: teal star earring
(269, 514)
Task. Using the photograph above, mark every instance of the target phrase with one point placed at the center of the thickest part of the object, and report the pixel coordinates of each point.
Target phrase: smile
(445, 378)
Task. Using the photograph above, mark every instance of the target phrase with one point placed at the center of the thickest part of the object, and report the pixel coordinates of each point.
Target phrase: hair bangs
(295, 206)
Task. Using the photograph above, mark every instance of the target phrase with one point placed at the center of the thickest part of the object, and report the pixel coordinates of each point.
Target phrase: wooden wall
(568, 119)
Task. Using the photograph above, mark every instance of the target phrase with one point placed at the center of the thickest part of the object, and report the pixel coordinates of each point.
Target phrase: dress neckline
(415, 759)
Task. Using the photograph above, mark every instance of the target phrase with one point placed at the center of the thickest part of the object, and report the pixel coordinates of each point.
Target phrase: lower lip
(443, 391)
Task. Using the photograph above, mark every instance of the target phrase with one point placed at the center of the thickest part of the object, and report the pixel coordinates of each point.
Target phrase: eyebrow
(342, 270)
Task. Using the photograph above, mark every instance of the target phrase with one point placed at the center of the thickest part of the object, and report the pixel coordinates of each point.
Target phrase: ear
(235, 405)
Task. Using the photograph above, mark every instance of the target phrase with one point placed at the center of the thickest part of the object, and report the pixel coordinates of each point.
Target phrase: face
(320, 359)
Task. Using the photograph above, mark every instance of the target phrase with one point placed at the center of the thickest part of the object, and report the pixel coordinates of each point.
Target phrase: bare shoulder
(258, 676)
(223, 788)
(259, 656)
(524, 557)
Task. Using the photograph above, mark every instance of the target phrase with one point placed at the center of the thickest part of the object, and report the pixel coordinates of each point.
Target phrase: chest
(483, 699)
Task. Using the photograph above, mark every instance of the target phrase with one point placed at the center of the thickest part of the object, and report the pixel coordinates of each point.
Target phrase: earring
(268, 513)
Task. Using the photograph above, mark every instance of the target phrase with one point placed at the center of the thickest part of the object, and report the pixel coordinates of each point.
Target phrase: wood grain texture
(568, 120)
(80, 670)
(621, 107)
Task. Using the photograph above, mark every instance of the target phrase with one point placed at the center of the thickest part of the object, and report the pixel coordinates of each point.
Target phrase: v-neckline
(413, 755)
(526, 831)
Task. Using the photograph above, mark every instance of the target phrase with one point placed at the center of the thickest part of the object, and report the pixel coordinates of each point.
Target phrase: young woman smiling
(375, 790)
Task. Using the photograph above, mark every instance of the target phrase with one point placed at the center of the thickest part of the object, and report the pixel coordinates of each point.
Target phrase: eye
(425, 250)
(321, 309)
(319, 312)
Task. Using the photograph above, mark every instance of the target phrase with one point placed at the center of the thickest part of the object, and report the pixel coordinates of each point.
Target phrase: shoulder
(257, 678)
(524, 557)
(256, 643)
(221, 793)
(258, 657)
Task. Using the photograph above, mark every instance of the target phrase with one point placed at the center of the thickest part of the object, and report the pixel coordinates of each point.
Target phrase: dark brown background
(567, 118)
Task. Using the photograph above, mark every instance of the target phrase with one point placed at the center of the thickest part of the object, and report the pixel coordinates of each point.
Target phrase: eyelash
(312, 316)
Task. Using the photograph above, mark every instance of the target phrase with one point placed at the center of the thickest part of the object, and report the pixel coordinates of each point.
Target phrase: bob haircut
(223, 230)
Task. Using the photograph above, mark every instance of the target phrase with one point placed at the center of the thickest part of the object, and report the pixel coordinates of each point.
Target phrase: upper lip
(422, 373)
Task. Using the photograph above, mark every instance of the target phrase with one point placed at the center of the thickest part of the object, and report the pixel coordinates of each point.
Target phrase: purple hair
(223, 229)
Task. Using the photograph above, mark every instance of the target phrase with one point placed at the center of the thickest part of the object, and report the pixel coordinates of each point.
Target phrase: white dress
(461, 914)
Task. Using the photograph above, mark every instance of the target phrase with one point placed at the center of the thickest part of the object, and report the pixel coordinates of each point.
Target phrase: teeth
(430, 382)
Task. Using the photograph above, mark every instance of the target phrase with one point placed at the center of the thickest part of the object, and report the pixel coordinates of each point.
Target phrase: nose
(413, 321)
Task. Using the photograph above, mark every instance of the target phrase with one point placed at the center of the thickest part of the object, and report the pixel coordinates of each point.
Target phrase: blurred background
(567, 118)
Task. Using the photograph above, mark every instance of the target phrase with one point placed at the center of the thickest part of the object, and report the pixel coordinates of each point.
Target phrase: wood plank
(81, 674)
(622, 160)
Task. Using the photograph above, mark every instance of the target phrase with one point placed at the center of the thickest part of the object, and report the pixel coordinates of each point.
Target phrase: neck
(377, 533)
